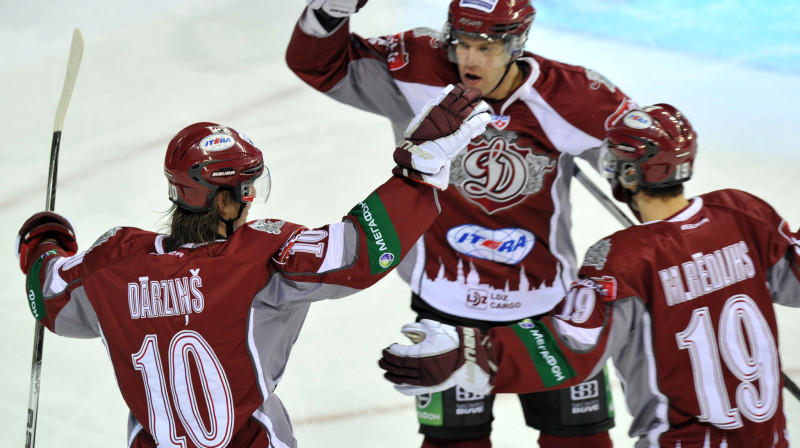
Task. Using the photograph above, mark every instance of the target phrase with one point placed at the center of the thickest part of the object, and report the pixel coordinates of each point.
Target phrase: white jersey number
(186, 350)
(748, 350)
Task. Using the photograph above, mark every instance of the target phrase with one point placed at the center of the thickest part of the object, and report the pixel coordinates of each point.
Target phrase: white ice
(152, 67)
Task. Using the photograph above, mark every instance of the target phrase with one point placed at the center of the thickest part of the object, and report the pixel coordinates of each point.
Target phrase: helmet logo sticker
(216, 142)
(223, 173)
(482, 5)
(637, 120)
(244, 137)
(217, 129)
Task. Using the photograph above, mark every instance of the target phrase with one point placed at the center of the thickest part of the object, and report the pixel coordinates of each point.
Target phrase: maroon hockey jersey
(501, 249)
(200, 336)
(684, 306)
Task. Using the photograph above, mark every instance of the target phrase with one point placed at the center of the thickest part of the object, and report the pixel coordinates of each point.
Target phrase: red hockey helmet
(204, 157)
(653, 146)
(509, 20)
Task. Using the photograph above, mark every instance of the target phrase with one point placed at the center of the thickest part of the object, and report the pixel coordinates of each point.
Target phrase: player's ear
(223, 199)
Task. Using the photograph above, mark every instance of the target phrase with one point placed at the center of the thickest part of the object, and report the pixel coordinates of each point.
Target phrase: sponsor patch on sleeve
(396, 55)
(34, 288)
(548, 359)
(383, 244)
(607, 287)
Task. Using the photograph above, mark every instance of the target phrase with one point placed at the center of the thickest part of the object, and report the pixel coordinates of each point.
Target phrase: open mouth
(471, 79)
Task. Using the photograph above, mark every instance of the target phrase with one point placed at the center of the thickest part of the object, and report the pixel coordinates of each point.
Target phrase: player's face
(481, 62)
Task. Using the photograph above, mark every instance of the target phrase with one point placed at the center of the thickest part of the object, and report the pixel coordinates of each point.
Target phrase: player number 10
(187, 349)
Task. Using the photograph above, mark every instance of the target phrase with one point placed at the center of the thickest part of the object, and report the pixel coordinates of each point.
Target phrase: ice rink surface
(152, 67)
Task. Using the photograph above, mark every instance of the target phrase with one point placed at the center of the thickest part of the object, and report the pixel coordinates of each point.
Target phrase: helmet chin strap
(502, 78)
(628, 195)
(229, 222)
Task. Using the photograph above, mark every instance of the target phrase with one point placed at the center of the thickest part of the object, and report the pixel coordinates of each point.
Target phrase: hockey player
(501, 249)
(682, 302)
(199, 323)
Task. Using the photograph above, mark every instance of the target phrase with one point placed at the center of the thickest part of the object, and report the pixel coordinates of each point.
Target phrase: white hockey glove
(337, 8)
(442, 356)
(441, 130)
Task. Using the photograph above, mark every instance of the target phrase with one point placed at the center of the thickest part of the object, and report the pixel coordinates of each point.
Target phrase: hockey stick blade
(73, 64)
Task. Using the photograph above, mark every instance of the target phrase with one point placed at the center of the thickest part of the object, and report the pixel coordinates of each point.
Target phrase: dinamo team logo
(497, 173)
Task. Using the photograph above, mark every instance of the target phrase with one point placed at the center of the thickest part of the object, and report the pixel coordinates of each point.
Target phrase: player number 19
(683, 171)
(748, 350)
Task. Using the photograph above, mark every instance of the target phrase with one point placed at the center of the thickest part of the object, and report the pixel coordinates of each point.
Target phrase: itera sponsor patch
(508, 246)
(383, 244)
(216, 142)
(548, 359)
(637, 119)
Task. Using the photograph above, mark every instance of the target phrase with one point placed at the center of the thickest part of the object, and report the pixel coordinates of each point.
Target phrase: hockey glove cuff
(337, 8)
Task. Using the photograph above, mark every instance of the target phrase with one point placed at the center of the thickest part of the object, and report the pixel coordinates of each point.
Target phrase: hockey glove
(442, 356)
(441, 130)
(31, 240)
(337, 8)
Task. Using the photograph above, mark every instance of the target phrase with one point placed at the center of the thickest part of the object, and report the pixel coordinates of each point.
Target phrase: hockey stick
(73, 63)
(601, 197)
(623, 219)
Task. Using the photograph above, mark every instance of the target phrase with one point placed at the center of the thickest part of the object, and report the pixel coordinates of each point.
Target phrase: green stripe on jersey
(550, 362)
(34, 287)
(383, 244)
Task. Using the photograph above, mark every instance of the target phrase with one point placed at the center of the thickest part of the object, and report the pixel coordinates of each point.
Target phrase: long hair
(188, 227)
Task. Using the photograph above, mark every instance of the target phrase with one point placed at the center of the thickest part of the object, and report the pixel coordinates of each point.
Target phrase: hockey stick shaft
(623, 219)
(73, 64)
(601, 197)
